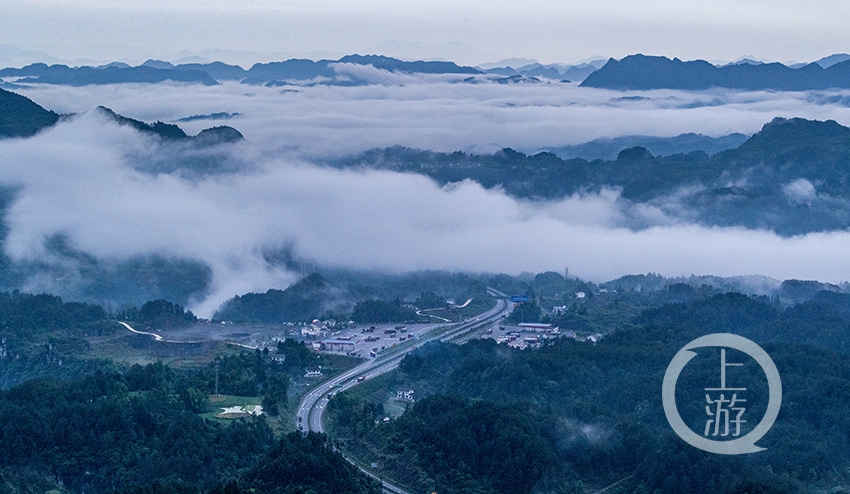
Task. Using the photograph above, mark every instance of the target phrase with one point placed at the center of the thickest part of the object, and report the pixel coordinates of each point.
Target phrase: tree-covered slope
(211, 136)
(792, 177)
(139, 431)
(578, 416)
(303, 301)
(21, 117)
(75, 423)
(366, 296)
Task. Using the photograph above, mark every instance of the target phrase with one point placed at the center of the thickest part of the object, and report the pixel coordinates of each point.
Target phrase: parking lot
(364, 339)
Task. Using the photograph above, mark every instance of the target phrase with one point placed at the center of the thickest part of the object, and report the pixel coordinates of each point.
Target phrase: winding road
(313, 404)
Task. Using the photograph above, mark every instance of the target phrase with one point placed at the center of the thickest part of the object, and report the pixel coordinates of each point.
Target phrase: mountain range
(572, 73)
(634, 72)
(641, 72)
(111, 74)
(792, 177)
(274, 73)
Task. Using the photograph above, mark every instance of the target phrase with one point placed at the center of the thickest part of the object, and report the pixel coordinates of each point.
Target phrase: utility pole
(216, 379)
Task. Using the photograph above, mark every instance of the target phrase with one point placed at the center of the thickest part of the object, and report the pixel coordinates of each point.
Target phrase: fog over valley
(437, 112)
(265, 247)
(91, 192)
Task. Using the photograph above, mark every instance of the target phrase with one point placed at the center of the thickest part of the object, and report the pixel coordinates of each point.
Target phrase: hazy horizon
(469, 33)
(14, 56)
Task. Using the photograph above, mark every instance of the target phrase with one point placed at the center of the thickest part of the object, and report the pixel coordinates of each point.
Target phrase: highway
(314, 402)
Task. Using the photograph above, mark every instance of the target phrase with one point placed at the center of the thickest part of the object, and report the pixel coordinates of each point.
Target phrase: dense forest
(21, 117)
(70, 422)
(365, 297)
(573, 415)
(139, 431)
(303, 301)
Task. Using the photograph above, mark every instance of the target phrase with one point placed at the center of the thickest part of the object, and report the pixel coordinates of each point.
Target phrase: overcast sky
(467, 31)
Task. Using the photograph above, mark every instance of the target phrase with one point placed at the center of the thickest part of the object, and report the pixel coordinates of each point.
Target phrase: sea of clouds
(91, 182)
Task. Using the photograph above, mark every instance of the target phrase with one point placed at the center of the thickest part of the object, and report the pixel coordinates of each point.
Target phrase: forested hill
(792, 177)
(214, 135)
(575, 417)
(349, 293)
(568, 416)
(650, 72)
(21, 117)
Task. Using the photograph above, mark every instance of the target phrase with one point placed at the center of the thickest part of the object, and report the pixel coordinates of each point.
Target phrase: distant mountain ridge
(572, 73)
(113, 74)
(609, 148)
(632, 72)
(831, 60)
(792, 177)
(274, 73)
(641, 72)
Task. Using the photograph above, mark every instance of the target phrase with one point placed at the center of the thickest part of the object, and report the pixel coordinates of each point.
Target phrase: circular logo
(741, 445)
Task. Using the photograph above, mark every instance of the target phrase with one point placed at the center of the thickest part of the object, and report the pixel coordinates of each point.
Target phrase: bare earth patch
(236, 412)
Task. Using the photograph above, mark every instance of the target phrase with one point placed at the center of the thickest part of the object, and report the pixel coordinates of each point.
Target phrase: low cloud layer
(430, 112)
(86, 180)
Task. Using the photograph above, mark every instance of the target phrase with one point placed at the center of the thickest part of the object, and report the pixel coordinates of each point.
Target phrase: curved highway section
(313, 404)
